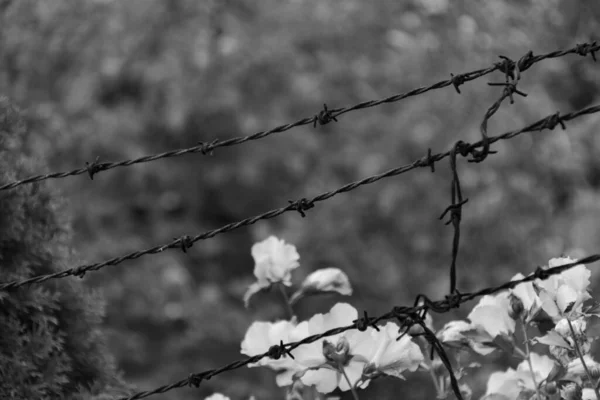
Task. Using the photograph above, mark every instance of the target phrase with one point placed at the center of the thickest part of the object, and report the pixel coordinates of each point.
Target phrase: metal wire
(400, 313)
(303, 204)
(323, 117)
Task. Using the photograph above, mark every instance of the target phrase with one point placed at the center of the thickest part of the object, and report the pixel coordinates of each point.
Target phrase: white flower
(274, 261)
(461, 334)
(541, 365)
(575, 367)
(260, 336)
(504, 383)
(507, 385)
(323, 359)
(526, 293)
(489, 318)
(588, 394)
(453, 331)
(324, 280)
(491, 315)
(387, 356)
(217, 396)
(563, 329)
(564, 294)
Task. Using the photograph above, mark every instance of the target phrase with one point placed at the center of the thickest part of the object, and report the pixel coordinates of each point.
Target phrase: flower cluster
(348, 360)
(558, 308)
(555, 308)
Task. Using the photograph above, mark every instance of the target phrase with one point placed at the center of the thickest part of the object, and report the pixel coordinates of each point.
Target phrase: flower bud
(551, 388)
(339, 354)
(370, 371)
(571, 391)
(516, 307)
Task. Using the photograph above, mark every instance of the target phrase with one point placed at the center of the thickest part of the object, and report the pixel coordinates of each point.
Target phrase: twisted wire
(303, 204)
(397, 312)
(323, 117)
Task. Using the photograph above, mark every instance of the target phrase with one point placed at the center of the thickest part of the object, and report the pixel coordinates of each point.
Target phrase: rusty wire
(304, 204)
(325, 116)
(403, 314)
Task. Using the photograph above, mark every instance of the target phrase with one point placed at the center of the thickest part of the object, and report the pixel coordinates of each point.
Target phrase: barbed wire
(323, 117)
(512, 76)
(402, 314)
(512, 72)
(304, 204)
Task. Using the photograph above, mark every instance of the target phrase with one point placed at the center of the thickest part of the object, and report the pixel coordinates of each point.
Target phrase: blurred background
(122, 79)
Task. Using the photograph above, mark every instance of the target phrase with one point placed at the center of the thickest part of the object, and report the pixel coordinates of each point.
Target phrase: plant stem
(434, 378)
(587, 371)
(528, 355)
(354, 392)
(286, 300)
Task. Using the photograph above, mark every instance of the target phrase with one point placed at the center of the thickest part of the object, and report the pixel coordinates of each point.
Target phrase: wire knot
(194, 380)
(79, 272)
(207, 148)
(186, 242)
(276, 351)
(541, 273)
(363, 323)
(463, 148)
(506, 66)
(526, 61)
(457, 80)
(552, 121)
(324, 117)
(427, 161)
(301, 205)
(453, 300)
(512, 71)
(94, 167)
(586, 48)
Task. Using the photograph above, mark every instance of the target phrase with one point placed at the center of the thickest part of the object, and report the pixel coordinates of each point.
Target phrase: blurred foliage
(51, 343)
(124, 79)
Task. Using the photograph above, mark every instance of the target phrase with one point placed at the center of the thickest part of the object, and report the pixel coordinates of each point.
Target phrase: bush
(51, 345)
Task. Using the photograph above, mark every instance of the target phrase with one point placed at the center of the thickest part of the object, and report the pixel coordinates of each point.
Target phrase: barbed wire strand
(303, 204)
(323, 117)
(400, 313)
(512, 76)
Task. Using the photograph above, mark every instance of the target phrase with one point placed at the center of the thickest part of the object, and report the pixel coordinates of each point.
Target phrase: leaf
(569, 307)
(505, 343)
(552, 338)
(526, 394)
(543, 322)
(593, 327)
(557, 372)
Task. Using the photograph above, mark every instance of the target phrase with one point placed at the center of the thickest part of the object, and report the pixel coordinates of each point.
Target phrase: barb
(405, 316)
(324, 116)
(548, 122)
